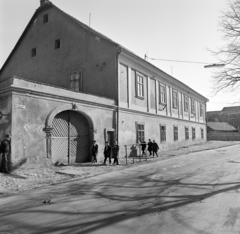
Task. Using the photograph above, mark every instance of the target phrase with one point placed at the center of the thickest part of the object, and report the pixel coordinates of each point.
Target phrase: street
(194, 193)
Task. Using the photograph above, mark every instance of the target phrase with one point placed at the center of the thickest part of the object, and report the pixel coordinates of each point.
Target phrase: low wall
(223, 136)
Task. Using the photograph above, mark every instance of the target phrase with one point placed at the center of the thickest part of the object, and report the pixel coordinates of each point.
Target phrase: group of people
(109, 153)
(152, 147)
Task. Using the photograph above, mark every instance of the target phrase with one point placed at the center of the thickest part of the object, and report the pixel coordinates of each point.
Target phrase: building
(64, 84)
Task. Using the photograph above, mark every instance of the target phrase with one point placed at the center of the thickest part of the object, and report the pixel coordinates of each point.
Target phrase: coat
(115, 150)
(107, 151)
(155, 147)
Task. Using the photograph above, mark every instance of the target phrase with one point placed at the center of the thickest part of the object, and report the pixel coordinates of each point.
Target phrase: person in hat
(94, 152)
(115, 151)
(107, 152)
(5, 149)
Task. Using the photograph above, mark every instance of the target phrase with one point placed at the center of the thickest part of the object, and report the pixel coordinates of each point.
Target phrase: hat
(8, 135)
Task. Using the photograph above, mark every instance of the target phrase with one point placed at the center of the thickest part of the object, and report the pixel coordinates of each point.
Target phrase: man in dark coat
(94, 151)
(144, 145)
(150, 146)
(5, 149)
(107, 152)
(115, 150)
(155, 148)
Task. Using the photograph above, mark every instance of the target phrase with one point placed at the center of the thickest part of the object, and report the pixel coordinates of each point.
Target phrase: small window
(186, 133)
(140, 86)
(163, 133)
(192, 106)
(57, 44)
(185, 103)
(175, 98)
(45, 18)
(175, 133)
(202, 133)
(193, 133)
(140, 132)
(76, 81)
(162, 94)
(201, 109)
(34, 52)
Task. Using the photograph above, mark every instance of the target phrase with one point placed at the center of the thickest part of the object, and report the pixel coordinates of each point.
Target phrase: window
(57, 44)
(185, 103)
(45, 18)
(140, 132)
(201, 109)
(175, 133)
(186, 133)
(34, 52)
(192, 106)
(163, 133)
(175, 98)
(139, 87)
(202, 133)
(162, 94)
(76, 81)
(193, 134)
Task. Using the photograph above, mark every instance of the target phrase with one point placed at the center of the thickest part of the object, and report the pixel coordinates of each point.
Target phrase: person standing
(115, 153)
(107, 152)
(150, 146)
(5, 149)
(94, 152)
(155, 148)
(144, 145)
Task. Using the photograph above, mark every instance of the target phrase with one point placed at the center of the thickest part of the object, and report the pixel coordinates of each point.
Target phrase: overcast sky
(163, 29)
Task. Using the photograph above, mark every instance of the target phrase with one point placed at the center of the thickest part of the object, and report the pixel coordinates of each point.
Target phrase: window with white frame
(192, 106)
(186, 133)
(185, 103)
(175, 133)
(140, 132)
(193, 133)
(140, 85)
(163, 133)
(175, 98)
(201, 109)
(162, 94)
(76, 80)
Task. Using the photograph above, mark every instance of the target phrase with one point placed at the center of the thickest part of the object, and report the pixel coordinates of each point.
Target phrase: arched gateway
(71, 134)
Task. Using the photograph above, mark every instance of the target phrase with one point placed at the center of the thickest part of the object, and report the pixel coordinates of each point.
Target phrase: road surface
(194, 193)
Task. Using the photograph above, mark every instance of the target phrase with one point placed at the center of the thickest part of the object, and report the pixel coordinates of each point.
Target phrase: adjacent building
(65, 85)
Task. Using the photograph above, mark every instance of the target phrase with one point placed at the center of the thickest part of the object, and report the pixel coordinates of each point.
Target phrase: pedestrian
(150, 146)
(94, 152)
(115, 153)
(144, 145)
(107, 152)
(155, 148)
(5, 149)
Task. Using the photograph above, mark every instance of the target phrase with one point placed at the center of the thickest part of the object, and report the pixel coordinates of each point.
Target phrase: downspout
(119, 50)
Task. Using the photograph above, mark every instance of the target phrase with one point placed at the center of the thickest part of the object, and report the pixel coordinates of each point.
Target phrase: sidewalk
(29, 178)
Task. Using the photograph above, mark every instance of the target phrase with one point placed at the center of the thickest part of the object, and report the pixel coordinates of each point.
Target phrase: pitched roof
(221, 126)
(231, 109)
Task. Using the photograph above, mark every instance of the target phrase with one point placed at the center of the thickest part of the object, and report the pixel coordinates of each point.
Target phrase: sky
(180, 30)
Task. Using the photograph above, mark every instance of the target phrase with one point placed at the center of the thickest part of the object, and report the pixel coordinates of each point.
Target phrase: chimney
(42, 2)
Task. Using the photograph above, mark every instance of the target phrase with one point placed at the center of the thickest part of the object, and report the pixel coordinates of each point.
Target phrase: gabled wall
(80, 49)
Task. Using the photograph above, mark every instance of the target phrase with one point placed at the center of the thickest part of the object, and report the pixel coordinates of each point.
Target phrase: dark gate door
(70, 138)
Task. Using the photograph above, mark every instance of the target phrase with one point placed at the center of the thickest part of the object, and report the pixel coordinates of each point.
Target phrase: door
(70, 138)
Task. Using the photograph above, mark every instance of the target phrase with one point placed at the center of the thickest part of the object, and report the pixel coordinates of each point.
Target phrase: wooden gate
(70, 138)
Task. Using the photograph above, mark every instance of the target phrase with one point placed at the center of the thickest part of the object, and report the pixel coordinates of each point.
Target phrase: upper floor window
(192, 106)
(140, 132)
(57, 44)
(185, 103)
(162, 94)
(33, 52)
(201, 109)
(175, 98)
(45, 18)
(76, 81)
(163, 133)
(140, 85)
(175, 133)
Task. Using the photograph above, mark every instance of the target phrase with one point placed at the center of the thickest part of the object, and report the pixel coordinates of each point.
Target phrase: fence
(134, 152)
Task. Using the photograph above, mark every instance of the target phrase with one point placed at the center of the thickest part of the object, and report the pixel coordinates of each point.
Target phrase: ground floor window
(163, 133)
(140, 132)
(175, 133)
(186, 133)
(193, 133)
(202, 133)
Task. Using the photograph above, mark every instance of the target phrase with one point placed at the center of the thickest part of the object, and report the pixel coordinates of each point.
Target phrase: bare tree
(228, 78)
